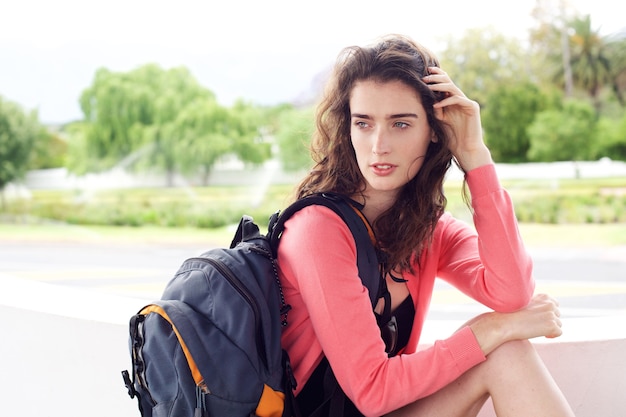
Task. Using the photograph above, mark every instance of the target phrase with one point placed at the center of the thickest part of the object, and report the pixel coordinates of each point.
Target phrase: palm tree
(574, 56)
(589, 59)
(617, 55)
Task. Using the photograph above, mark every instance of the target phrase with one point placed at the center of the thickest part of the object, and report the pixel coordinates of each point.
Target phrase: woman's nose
(381, 143)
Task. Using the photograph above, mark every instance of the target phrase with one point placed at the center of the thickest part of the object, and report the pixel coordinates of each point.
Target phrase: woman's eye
(360, 124)
(401, 125)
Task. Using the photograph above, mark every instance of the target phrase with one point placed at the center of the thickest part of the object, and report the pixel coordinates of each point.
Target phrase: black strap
(289, 382)
(335, 403)
(367, 256)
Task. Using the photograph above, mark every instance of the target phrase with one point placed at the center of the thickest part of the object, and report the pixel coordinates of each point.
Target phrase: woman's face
(390, 134)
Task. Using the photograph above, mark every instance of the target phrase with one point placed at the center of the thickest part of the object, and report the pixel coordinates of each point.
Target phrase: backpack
(211, 345)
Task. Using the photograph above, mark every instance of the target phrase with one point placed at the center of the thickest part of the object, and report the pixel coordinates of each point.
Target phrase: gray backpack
(211, 345)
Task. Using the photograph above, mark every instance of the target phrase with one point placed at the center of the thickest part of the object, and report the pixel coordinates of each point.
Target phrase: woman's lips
(383, 169)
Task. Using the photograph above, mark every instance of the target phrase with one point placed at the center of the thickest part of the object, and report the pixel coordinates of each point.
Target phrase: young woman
(387, 129)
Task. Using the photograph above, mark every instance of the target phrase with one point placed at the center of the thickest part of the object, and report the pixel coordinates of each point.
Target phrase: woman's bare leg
(515, 378)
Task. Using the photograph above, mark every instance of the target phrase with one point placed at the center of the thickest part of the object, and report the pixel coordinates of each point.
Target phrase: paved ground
(589, 281)
(64, 308)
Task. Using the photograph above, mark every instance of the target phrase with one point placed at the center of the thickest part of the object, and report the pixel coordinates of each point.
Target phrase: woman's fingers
(547, 309)
(461, 117)
(439, 80)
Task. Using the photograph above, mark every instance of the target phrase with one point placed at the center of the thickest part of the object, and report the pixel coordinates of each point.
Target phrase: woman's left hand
(462, 119)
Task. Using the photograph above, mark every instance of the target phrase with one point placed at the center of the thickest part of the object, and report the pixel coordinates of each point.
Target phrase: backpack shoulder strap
(178, 315)
(367, 257)
(367, 262)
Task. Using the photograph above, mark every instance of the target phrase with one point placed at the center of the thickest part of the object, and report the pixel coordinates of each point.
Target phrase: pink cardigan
(332, 311)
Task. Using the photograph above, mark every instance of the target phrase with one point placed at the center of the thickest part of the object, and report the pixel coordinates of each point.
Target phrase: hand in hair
(462, 119)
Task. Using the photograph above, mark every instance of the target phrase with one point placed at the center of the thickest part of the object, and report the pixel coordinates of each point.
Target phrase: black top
(404, 314)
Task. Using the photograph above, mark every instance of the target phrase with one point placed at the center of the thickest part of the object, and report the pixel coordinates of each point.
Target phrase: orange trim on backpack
(271, 403)
(370, 231)
(195, 372)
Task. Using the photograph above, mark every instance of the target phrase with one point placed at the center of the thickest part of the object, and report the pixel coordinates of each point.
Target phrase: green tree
(201, 134)
(616, 52)
(126, 111)
(50, 150)
(482, 60)
(164, 120)
(19, 130)
(246, 127)
(563, 134)
(510, 110)
(78, 159)
(549, 43)
(293, 134)
(611, 141)
(575, 56)
(591, 67)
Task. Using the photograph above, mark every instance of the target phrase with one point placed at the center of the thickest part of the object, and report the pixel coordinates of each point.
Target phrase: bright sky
(262, 51)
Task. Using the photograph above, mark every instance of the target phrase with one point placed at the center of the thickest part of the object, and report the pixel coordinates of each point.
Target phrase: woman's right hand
(461, 117)
(541, 317)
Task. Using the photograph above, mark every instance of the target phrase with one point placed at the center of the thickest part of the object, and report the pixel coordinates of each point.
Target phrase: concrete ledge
(63, 349)
(575, 329)
(588, 362)
(591, 374)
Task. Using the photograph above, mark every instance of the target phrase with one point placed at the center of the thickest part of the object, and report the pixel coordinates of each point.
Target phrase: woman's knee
(512, 359)
(515, 350)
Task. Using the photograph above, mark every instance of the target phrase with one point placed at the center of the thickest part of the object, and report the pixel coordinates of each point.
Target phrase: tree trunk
(567, 65)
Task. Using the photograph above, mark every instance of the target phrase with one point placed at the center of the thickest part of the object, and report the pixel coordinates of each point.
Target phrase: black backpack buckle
(132, 392)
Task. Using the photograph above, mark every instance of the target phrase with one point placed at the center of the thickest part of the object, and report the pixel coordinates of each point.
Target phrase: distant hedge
(211, 207)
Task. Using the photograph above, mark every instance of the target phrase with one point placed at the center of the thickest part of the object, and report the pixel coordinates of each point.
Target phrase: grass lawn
(593, 213)
(573, 235)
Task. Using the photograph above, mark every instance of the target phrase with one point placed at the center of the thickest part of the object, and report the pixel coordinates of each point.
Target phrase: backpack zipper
(243, 291)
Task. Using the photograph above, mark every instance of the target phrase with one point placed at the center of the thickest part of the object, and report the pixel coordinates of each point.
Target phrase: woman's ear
(434, 138)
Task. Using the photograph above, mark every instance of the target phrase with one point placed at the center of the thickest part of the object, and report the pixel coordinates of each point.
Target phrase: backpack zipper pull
(200, 410)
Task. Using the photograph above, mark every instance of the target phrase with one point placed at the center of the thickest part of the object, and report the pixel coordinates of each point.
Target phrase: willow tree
(164, 120)
(19, 130)
(125, 112)
(293, 133)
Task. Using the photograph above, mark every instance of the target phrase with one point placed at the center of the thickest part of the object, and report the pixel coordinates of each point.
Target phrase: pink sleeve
(317, 255)
(491, 263)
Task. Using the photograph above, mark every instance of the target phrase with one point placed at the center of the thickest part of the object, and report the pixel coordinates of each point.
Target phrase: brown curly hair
(407, 227)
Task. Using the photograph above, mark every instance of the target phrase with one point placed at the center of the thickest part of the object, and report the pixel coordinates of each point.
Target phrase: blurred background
(135, 133)
(142, 113)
